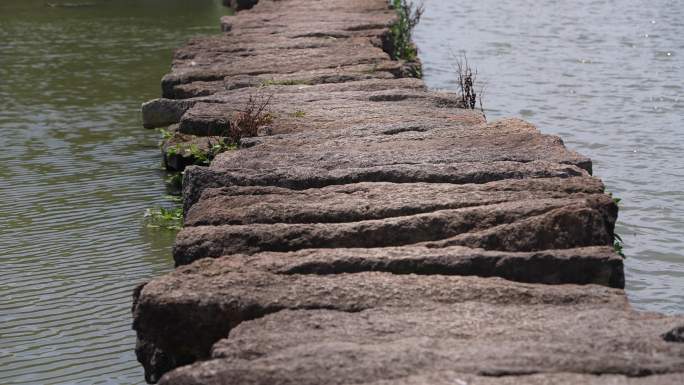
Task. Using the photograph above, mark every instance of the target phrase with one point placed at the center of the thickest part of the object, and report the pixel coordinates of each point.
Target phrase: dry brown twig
(246, 123)
(467, 81)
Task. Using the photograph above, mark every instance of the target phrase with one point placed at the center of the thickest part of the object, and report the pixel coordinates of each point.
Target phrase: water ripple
(78, 173)
(608, 79)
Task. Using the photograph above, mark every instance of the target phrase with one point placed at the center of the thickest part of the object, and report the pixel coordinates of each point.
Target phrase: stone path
(377, 233)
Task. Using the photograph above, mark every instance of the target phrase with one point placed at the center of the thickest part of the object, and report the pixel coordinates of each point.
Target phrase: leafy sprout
(161, 217)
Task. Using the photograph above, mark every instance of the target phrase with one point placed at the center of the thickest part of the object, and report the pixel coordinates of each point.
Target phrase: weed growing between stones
(174, 183)
(467, 80)
(408, 17)
(618, 244)
(200, 151)
(168, 218)
(298, 114)
(160, 217)
(175, 150)
(165, 135)
(246, 123)
(199, 156)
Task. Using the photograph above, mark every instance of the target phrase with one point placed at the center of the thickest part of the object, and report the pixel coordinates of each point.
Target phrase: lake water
(78, 171)
(608, 77)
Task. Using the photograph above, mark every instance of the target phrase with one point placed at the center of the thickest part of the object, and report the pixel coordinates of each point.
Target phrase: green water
(78, 172)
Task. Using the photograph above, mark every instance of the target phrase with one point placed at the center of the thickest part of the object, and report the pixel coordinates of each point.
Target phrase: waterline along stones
(374, 231)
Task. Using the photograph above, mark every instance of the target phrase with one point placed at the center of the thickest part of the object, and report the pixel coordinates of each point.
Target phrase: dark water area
(78, 172)
(608, 77)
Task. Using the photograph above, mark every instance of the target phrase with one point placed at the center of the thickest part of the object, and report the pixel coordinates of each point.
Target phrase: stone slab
(308, 108)
(480, 339)
(525, 225)
(216, 373)
(179, 316)
(241, 205)
(455, 151)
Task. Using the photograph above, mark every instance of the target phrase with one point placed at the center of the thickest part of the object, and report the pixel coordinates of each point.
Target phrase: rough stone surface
(306, 107)
(337, 75)
(327, 346)
(598, 265)
(451, 141)
(403, 152)
(525, 225)
(164, 112)
(197, 179)
(179, 316)
(374, 232)
(205, 66)
(217, 373)
(239, 205)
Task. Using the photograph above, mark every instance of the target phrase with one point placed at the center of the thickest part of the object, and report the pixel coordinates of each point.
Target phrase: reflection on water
(605, 75)
(77, 173)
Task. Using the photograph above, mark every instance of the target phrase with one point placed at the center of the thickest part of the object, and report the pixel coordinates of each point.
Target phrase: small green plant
(244, 123)
(298, 114)
(408, 17)
(160, 217)
(174, 150)
(202, 157)
(616, 200)
(618, 244)
(175, 181)
(165, 134)
(416, 71)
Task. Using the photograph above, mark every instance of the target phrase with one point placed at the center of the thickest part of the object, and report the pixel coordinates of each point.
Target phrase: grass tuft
(401, 31)
(204, 157)
(181, 150)
(165, 134)
(160, 217)
(618, 244)
(174, 183)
